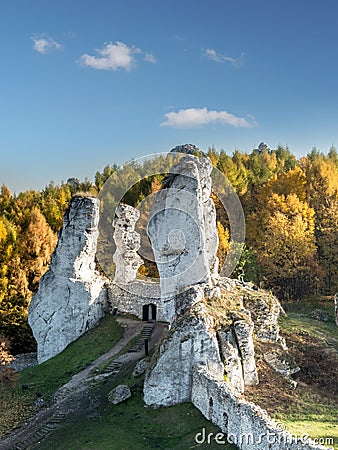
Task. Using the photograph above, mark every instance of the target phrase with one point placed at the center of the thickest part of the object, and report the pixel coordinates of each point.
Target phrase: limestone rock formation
(336, 307)
(182, 226)
(71, 297)
(191, 341)
(22, 361)
(231, 359)
(265, 311)
(119, 394)
(244, 331)
(140, 367)
(127, 241)
(182, 230)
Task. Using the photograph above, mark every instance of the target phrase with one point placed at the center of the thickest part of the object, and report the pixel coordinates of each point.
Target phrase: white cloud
(45, 44)
(194, 117)
(115, 56)
(149, 57)
(210, 53)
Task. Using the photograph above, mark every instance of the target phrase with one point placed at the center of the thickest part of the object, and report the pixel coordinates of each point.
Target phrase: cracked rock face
(231, 359)
(182, 226)
(191, 342)
(128, 241)
(244, 331)
(71, 297)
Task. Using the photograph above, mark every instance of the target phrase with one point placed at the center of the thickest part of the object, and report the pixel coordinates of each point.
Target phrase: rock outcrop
(191, 341)
(119, 394)
(182, 227)
(71, 297)
(140, 367)
(127, 241)
(244, 332)
(182, 230)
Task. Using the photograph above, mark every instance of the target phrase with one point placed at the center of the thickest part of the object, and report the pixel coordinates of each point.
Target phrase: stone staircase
(113, 368)
(42, 432)
(145, 334)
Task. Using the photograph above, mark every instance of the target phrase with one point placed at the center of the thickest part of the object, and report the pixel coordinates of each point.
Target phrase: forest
(291, 212)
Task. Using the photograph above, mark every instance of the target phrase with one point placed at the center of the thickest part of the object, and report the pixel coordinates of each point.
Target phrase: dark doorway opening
(149, 312)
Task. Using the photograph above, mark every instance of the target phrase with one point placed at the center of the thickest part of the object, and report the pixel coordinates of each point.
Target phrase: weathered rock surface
(265, 311)
(233, 369)
(182, 226)
(71, 297)
(191, 341)
(244, 331)
(336, 307)
(282, 362)
(127, 241)
(119, 394)
(140, 367)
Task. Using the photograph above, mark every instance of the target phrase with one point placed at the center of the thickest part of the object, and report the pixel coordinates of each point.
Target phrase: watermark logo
(278, 436)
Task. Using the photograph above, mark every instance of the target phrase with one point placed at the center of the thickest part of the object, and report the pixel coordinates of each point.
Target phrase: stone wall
(245, 424)
(132, 297)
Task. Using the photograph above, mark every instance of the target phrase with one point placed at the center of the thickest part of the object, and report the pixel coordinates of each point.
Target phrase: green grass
(101, 368)
(16, 405)
(55, 372)
(313, 417)
(131, 425)
(326, 331)
(316, 429)
(298, 320)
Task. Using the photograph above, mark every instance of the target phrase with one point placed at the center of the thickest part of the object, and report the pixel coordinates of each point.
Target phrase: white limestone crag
(191, 341)
(71, 297)
(244, 332)
(182, 227)
(281, 361)
(127, 240)
(230, 355)
(264, 308)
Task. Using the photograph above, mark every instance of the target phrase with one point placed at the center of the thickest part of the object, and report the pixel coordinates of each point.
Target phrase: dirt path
(68, 396)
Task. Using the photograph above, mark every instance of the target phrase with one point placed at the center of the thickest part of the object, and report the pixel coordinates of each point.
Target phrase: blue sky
(86, 83)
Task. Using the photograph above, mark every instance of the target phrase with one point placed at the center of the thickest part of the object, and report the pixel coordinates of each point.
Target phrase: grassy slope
(55, 372)
(130, 425)
(99, 424)
(311, 408)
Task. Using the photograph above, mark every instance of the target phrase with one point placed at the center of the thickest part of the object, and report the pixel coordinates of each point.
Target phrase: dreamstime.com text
(204, 437)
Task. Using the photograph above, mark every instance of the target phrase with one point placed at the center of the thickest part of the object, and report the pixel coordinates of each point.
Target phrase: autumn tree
(6, 373)
(322, 191)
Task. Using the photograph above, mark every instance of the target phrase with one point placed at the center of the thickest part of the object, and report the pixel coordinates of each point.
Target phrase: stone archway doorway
(149, 312)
